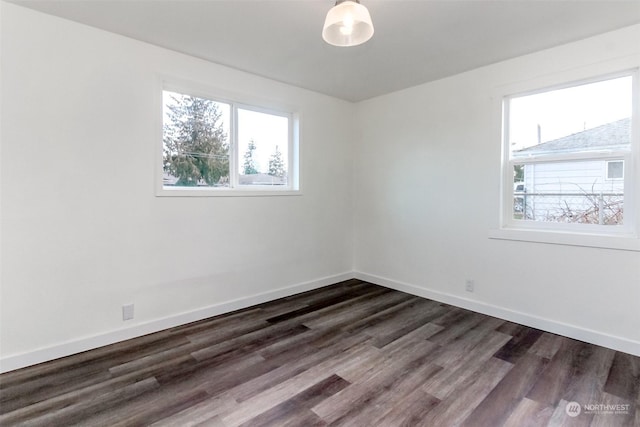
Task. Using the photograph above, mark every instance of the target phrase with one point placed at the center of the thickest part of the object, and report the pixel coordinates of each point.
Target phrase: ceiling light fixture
(348, 23)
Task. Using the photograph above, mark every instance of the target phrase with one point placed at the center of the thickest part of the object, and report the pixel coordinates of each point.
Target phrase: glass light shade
(348, 24)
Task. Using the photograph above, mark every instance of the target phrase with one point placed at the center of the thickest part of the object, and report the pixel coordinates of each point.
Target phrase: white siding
(571, 179)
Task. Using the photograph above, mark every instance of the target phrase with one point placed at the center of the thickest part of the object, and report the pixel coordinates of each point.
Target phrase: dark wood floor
(350, 354)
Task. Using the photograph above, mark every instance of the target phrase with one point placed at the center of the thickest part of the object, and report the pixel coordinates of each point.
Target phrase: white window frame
(623, 237)
(235, 102)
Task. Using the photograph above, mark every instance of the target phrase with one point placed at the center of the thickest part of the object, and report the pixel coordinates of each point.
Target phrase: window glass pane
(567, 192)
(588, 117)
(615, 170)
(195, 138)
(263, 144)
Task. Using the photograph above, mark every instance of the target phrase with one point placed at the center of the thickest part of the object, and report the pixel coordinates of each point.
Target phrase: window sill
(620, 242)
(224, 192)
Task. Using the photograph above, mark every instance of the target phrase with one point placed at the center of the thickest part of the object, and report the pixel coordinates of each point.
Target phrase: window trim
(624, 237)
(235, 102)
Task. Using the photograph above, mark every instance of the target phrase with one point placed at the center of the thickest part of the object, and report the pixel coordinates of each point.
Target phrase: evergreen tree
(195, 144)
(276, 165)
(249, 166)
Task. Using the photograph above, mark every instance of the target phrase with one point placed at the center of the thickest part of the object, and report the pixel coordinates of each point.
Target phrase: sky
(566, 111)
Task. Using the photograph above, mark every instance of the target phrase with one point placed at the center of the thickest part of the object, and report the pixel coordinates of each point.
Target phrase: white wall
(427, 194)
(82, 229)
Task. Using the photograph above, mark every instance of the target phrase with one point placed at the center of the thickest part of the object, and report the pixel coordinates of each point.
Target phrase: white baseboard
(10, 363)
(571, 331)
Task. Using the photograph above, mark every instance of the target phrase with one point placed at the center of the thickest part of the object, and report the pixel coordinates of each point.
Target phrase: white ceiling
(414, 41)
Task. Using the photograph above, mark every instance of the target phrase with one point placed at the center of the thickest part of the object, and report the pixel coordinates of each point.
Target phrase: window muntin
(214, 147)
(560, 144)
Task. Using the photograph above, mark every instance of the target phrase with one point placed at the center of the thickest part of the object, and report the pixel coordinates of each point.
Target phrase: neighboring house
(553, 190)
(262, 179)
(169, 180)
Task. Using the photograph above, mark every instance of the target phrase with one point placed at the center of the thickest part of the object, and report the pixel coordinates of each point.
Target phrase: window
(615, 169)
(216, 147)
(565, 151)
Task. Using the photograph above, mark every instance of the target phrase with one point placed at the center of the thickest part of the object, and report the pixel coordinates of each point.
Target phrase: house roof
(610, 135)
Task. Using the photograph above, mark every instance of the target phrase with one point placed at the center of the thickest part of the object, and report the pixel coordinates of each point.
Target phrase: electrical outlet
(127, 312)
(470, 285)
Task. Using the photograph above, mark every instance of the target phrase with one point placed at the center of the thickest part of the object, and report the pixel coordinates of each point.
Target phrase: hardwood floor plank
(587, 385)
(59, 401)
(348, 313)
(293, 366)
(24, 387)
(217, 377)
(314, 295)
(205, 412)
(460, 347)
(458, 405)
(453, 331)
(221, 321)
(410, 411)
(409, 318)
(452, 316)
(289, 388)
(507, 394)
(422, 333)
(369, 387)
(519, 344)
(35, 390)
(81, 409)
(311, 340)
(296, 410)
(356, 373)
(251, 341)
(552, 384)
(211, 422)
(324, 303)
(510, 328)
(448, 380)
(377, 401)
(528, 413)
(379, 320)
(547, 345)
(158, 405)
(220, 334)
(624, 377)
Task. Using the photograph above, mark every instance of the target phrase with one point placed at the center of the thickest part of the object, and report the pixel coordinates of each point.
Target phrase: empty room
(319, 213)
